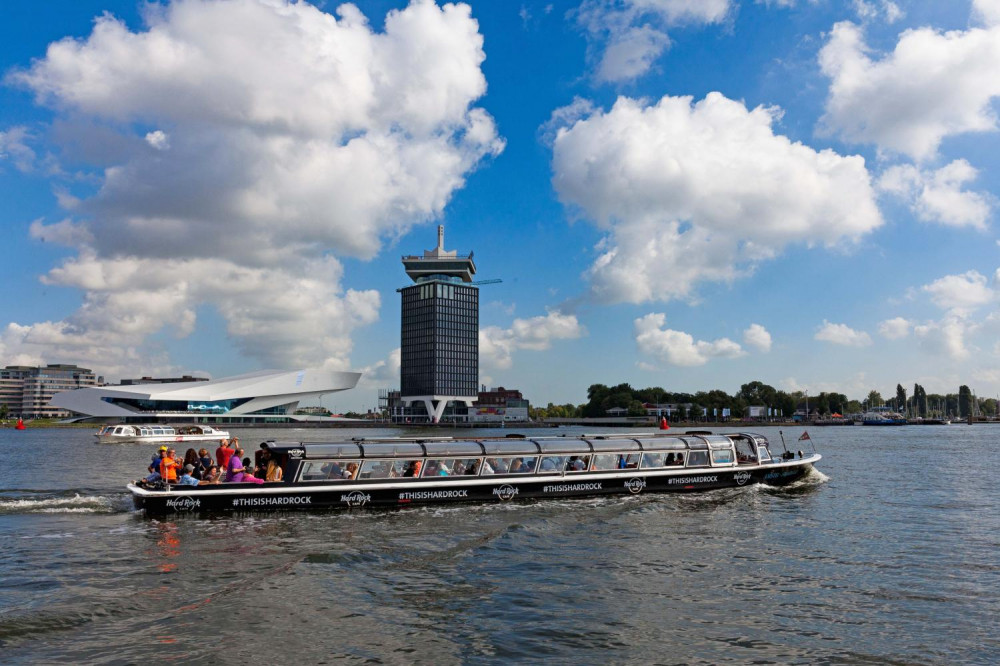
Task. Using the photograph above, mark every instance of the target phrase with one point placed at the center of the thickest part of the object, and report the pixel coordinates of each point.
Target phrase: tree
(875, 399)
(919, 400)
(964, 401)
(3, 412)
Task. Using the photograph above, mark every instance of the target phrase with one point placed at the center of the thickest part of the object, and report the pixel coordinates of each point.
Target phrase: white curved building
(256, 397)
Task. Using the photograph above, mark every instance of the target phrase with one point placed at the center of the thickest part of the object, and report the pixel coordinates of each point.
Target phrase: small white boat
(155, 433)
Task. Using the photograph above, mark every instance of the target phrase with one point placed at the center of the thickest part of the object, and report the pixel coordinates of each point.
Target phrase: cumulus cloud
(869, 10)
(677, 347)
(757, 337)
(14, 147)
(932, 85)
(937, 196)
(961, 294)
(693, 192)
(497, 345)
(842, 334)
(894, 329)
(986, 12)
(251, 140)
(382, 373)
(627, 36)
(946, 337)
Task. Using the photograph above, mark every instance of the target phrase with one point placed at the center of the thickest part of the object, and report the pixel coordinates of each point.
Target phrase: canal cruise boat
(385, 473)
(154, 433)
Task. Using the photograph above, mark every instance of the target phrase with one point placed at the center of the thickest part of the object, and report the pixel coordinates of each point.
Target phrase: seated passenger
(205, 460)
(517, 467)
(548, 465)
(412, 469)
(332, 470)
(442, 470)
(352, 471)
(473, 468)
(210, 476)
(679, 460)
(187, 478)
(274, 472)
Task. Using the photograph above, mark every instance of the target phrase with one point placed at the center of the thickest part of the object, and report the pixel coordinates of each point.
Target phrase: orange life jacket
(168, 468)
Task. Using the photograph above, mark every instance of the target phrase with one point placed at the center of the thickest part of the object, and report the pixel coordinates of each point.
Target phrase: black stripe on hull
(375, 495)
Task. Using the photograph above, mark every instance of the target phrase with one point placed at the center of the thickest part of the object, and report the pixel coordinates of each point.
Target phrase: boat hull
(411, 492)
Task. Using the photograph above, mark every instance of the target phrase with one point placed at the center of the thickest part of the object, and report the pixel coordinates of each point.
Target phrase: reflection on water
(887, 554)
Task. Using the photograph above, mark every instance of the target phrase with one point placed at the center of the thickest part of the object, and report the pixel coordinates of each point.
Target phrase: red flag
(805, 435)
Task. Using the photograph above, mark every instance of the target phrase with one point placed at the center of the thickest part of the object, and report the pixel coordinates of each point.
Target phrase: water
(888, 556)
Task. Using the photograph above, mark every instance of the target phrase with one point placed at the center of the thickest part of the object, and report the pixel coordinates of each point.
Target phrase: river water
(889, 555)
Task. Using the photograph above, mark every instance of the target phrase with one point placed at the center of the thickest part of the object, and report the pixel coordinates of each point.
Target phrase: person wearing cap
(224, 453)
(186, 478)
(168, 466)
(154, 467)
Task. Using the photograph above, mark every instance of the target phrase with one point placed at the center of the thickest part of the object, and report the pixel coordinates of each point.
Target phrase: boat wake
(71, 501)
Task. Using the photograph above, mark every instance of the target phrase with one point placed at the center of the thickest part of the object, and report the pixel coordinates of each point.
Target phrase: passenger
(442, 470)
(205, 460)
(679, 460)
(489, 466)
(412, 469)
(332, 470)
(430, 469)
(548, 465)
(352, 471)
(517, 467)
(168, 466)
(235, 466)
(210, 476)
(260, 459)
(223, 454)
(473, 468)
(154, 466)
(274, 472)
(191, 458)
(577, 464)
(187, 478)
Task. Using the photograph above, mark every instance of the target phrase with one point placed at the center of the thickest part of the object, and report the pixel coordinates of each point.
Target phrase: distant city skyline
(675, 194)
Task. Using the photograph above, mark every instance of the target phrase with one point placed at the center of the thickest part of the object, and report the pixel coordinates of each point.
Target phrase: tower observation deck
(439, 345)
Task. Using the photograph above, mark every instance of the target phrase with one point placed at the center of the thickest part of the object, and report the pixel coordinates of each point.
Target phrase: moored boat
(373, 473)
(881, 416)
(156, 433)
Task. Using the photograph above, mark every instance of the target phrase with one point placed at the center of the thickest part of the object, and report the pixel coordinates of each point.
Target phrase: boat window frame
(319, 462)
(451, 465)
(699, 452)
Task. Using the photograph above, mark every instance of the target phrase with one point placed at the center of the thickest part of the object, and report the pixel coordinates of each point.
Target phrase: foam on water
(76, 503)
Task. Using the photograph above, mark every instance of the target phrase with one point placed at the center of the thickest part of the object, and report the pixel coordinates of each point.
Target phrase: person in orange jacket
(168, 466)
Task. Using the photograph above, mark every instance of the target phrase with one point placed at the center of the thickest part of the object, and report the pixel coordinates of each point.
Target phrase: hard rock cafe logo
(741, 478)
(505, 492)
(356, 498)
(184, 504)
(296, 453)
(635, 485)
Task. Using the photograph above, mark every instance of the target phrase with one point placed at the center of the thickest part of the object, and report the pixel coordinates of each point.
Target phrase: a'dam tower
(439, 346)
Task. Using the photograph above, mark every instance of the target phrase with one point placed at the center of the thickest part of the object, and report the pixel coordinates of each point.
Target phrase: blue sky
(690, 194)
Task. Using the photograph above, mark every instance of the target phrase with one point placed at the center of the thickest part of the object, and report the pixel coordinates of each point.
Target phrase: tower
(439, 337)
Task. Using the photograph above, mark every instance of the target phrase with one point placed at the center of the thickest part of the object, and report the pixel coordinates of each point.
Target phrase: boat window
(654, 460)
(764, 452)
(606, 461)
(344, 450)
(722, 457)
(379, 469)
(518, 465)
(451, 449)
(745, 451)
(553, 464)
(697, 459)
(328, 470)
(451, 467)
(577, 463)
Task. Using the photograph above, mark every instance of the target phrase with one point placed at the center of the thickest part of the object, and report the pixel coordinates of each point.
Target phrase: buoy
(20, 424)
(663, 423)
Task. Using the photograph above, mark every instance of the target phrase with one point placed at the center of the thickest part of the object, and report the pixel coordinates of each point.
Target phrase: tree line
(779, 404)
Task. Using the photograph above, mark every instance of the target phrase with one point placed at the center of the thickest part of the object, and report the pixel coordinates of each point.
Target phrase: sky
(691, 194)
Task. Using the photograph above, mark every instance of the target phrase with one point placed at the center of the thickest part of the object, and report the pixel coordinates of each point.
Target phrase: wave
(65, 503)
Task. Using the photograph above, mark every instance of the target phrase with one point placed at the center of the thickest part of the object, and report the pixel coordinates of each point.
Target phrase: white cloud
(960, 294)
(757, 337)
(497, 345)
(382, 373)
(677, 180)
(894, 329)
(842, 334)
(14, 147)
(945, 338)
(937, 196)
(933, 85)
(869, 10)
(293, 136)
(158, 140)
(677, 347)
(627, 36)
(986, 11)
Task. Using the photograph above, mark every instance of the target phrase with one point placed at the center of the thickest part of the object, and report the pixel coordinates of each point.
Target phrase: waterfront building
(439, 336)
(499, 404)
(26, 391)
(257, 397)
